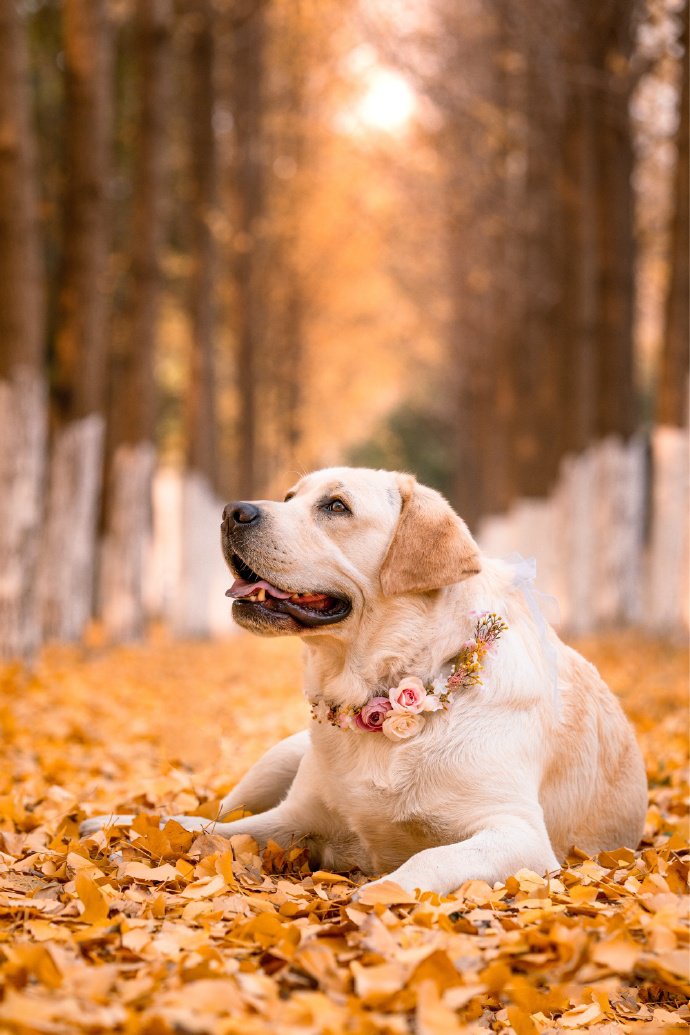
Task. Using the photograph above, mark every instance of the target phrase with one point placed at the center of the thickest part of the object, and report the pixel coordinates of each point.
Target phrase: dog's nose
(240, 514)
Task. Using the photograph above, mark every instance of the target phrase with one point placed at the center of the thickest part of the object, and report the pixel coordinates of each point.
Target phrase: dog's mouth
(308, 609)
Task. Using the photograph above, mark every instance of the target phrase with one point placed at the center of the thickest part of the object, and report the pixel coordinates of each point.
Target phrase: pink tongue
(242, 588)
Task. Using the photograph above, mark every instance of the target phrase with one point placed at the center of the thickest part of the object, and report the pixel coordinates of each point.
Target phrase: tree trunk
(617, 410)
(473, 150)
(133, 398)
(21, 286)
(80, 346)
(675, 359)
(250, 190)
(68, 549)
(22, 389)
(200, 511)
(201, 400)
(579, 268)
(537, 357)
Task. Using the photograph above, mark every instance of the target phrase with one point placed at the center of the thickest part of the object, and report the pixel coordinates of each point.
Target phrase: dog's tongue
(242, 588)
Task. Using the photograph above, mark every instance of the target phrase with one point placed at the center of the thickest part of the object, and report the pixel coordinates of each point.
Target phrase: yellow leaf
(584, 893)
(619, 954)
(35, 960)
(155, 874)
(581, 1016)
(95, 904)
(204, 888)
(158, 907)
(224, 868)
(439, 968)
(324, 877)
(386, 893)
(433, 1016)
(210, 810)
(376, 984)
(521, 1021)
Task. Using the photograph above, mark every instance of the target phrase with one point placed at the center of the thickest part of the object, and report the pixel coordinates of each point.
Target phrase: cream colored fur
(504, 779)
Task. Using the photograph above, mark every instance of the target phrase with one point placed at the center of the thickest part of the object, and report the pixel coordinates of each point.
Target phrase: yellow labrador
(401, 771)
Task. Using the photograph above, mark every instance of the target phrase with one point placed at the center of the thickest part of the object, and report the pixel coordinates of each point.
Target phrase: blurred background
(241, 239)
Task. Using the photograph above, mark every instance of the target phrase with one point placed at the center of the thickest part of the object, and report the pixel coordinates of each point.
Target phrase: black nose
(240, 513)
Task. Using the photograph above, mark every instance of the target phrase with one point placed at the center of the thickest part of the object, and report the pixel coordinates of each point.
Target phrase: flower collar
(399, 715)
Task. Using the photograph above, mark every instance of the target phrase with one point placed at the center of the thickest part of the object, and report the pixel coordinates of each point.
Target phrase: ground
(163, 932)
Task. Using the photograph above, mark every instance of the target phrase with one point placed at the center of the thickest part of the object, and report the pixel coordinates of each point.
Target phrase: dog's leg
(503, 845)
(276, 824)
(301, 817)
(266, 784)
(269, 779)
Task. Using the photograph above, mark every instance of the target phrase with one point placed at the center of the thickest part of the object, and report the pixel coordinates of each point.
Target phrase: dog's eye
(336, 506)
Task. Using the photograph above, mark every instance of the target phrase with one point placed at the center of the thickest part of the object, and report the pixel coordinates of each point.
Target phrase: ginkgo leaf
(385, 892)
(324, 877)
(95, 903)
(215, 934)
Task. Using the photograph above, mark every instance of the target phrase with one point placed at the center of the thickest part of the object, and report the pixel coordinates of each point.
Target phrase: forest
(241, 239)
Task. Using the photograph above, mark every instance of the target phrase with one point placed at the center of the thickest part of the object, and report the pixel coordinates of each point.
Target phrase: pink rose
(402, 725)
(409, 695)
(372, 714)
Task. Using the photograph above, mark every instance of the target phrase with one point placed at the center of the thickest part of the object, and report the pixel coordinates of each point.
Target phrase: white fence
(611, 542)
(183, 577)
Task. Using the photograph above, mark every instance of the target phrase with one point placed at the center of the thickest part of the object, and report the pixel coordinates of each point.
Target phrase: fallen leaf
(385, 892)
(95, 904)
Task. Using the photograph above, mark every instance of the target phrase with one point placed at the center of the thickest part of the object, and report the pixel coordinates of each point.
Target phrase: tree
(133, 396)
(609, 33)
(201, 420)
(80, 347)
(673, 383)
(21, 269)
(132, 404)
(82, 323)
(248, 186)
(22, 390)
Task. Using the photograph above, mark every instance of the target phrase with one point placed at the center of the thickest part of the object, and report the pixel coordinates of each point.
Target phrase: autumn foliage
(158, 931)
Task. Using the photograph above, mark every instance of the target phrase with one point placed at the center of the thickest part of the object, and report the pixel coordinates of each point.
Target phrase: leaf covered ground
(161, 932)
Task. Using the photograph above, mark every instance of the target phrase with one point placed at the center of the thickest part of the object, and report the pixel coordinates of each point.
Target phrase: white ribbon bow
(524, 575)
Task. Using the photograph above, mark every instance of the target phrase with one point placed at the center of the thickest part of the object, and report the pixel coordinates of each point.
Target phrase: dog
(434, 756)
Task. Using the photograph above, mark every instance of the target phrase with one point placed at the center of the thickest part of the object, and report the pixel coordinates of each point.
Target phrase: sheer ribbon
(544, 609)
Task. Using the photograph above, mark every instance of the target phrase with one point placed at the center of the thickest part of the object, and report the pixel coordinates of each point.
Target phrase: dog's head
(342, 542)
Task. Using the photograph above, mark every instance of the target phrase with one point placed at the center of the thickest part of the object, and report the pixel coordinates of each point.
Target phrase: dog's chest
(386, 798)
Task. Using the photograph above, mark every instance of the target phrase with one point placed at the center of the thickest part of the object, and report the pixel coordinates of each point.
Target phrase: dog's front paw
(90, 826)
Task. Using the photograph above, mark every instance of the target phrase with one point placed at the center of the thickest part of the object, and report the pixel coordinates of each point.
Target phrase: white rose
(402, 725)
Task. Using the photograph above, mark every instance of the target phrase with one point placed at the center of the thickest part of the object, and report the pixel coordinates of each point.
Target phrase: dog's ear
(431, 546)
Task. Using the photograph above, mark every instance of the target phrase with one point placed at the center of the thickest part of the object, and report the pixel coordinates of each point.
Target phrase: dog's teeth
(261, 595)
